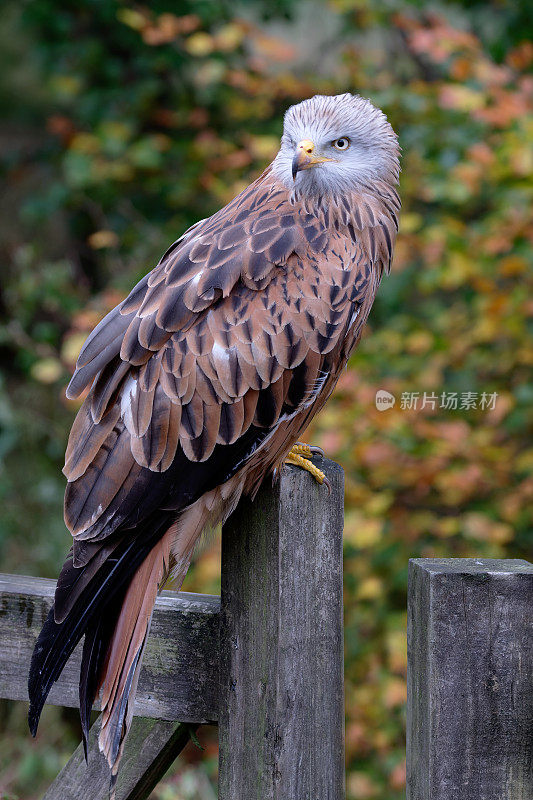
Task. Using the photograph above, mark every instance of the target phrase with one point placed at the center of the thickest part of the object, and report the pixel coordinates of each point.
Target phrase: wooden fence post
(470, 680)
(281, 712)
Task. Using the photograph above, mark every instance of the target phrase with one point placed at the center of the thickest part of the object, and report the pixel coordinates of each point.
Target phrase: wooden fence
(264, 662)
(470, 680)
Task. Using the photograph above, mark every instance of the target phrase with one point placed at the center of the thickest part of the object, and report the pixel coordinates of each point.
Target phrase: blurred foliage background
(123, 124)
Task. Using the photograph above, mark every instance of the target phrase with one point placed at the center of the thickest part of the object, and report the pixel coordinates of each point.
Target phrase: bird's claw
(306, 450)
(300, 456)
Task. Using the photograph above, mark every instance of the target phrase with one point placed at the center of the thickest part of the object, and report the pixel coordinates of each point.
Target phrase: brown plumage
(203, 379)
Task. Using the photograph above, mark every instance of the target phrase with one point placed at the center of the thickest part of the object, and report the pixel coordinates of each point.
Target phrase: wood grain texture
(470, 676)
(179, 679)
(151, 747)
(281, 720)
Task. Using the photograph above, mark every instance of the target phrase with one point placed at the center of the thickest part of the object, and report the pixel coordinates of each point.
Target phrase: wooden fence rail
(264, 661)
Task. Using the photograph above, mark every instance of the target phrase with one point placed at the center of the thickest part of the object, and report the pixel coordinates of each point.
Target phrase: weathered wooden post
(281, 713)
(470, 680)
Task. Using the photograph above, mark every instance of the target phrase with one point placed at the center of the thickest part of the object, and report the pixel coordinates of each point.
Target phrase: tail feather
(122, 667)
(73, 579)
(112, 605)
(95, 647)
(57, 640)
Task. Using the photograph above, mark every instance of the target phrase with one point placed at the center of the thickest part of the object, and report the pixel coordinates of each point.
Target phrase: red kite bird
(202, 381)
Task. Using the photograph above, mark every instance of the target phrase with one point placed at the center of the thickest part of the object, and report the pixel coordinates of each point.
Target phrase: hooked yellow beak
(304, 157)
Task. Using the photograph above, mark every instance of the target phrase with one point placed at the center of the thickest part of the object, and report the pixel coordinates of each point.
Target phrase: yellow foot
(300, 455)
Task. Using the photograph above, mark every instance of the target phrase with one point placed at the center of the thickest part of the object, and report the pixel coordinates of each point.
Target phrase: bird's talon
(300, 449)
(306, 450)
(297, 457)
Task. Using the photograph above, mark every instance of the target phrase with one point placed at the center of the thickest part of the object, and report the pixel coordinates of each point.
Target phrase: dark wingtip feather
(85, 689)
(40, 677)
(56, 641)
(95, 646)
(33, 720)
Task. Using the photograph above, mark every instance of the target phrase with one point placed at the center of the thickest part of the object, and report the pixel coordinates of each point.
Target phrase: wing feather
(86, 439)
(232, 331)
(91, 494)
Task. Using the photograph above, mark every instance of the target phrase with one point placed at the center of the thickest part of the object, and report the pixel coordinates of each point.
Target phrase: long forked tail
(118, 673)
(111, 601)
(82, 595)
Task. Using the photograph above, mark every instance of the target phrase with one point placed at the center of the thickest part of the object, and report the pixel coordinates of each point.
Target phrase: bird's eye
(341, 144)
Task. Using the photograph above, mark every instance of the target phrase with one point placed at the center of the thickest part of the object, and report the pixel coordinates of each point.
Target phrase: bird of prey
(202, 381)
